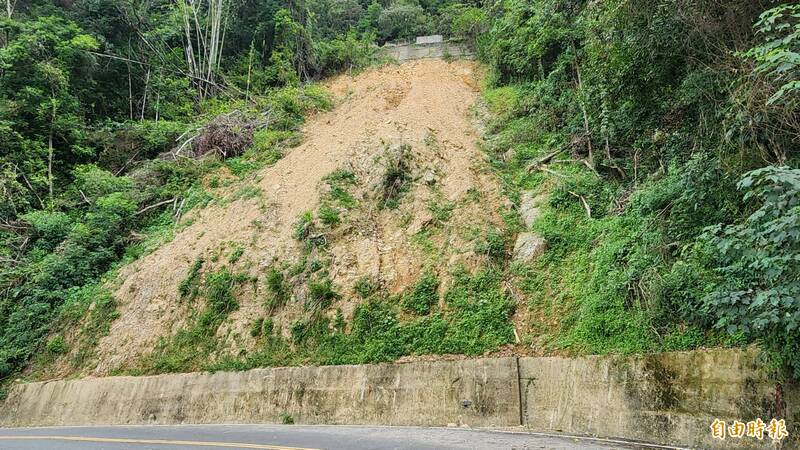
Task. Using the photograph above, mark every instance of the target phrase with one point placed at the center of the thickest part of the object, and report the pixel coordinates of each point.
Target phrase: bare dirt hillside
(420, 195)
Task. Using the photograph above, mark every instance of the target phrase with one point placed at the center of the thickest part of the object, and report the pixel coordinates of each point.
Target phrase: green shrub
(345, 53)
(365, 287)
(397, 176)
(189, 286)
(218, 289)
(329, 215)
(321, 293)
(237, 253)
(287, 419)
(441, 212)
(257, 327)
(403, 21)
(339, 181)
(305, 231)
(57, 346)
(493, 245)
(424, 294)
(759, 292)
(267, 327)
(279, 291)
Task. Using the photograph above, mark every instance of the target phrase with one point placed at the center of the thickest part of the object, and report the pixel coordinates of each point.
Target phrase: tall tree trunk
(50, 150)
(50, 165)
(205, 59)
(10, 7)
(144, 97)
(249, 71)
(582, 101)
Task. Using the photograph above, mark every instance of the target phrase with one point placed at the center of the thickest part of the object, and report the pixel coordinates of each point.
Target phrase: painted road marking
(150, 441)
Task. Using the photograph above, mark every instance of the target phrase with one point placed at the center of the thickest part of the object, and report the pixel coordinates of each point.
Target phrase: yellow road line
(150, 441)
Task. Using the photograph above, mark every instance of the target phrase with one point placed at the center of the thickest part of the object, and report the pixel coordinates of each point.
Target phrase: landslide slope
(385, 188)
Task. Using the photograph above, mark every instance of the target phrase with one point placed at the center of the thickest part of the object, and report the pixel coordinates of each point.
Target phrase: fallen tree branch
(14, 226)
(585, 204)
(551, 172)
(543, 160)
(589, 165)
(83, 196)
(142, 211)
(611, 162)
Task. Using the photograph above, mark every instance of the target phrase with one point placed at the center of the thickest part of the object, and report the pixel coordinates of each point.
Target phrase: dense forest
(667, 131)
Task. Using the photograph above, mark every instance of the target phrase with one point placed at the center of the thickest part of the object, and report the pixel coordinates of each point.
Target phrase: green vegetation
(441, 211)
(492, 243)
(473, 320)
(321, 293)
(423, 296)
(365, 287)
(339, 181)
(664, 135)
(236, 253)
(188, 288)
(329, 215)
(189, 348)
(396, 177)
(278, 290)
(56, 345)
(257, 327)
(659, 124)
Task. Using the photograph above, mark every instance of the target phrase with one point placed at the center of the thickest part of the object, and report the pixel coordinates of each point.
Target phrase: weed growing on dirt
(236, 253)
(492, 244)
(365, 287)
(321, 293)
(56, 345)
(423, 296)
(257, 327)
(397, 176)
(189, 286)
(475, 320)
(339, 183)
(305, 231)
(190, 347)
(278, 290)
(329, 215)
(441, 211)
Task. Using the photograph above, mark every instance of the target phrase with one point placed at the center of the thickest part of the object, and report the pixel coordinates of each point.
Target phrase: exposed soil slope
(421, 106)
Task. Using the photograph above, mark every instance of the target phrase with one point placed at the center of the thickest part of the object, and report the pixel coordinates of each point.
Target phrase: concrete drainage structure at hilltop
(426, 47)
(668, 398)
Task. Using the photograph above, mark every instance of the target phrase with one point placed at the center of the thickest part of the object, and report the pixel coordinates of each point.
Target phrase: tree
(205, 23)
(41, 65)
(779, 55)
(759, 294)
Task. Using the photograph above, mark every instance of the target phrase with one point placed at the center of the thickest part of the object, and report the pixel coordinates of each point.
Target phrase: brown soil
(424, 104)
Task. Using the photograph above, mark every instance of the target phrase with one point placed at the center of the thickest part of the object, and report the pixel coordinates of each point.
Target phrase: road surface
(282, 437)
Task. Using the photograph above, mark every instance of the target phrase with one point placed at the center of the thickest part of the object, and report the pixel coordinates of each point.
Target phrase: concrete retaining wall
(668, 398)
(406, 52)
(425, 393)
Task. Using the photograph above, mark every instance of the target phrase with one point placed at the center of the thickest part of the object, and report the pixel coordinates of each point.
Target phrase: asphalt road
(288, 437)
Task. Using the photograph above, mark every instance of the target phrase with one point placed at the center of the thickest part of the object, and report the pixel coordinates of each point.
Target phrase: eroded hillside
(387, 194)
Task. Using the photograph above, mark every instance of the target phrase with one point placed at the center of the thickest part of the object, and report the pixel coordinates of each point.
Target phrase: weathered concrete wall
(669, 398)
(424, 393)
(406, 52)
